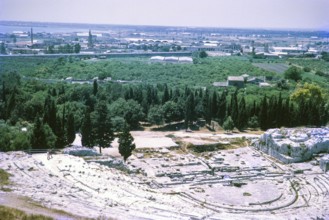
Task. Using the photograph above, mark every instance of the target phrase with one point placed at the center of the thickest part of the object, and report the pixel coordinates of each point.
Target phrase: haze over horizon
(271, 14)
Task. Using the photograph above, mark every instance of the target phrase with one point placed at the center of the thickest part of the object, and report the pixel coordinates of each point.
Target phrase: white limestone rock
(291, 145)
(324, 163)
(80, 151)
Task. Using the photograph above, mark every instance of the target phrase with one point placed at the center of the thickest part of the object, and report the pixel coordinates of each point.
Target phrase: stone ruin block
(324, 163)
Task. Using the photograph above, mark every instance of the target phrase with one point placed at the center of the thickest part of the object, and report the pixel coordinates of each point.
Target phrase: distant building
(171, 59)
(256, 80)
(264, 84)
(185, 59)
(245, 76)
(288, 50)
(237, 81)
(157, 58)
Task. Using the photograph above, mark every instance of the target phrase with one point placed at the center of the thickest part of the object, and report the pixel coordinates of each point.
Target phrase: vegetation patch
(11, 213)
(4, 180)
(207, 147)
(246, 194)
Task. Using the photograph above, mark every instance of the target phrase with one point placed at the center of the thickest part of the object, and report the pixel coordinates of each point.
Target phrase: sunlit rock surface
(291, 145)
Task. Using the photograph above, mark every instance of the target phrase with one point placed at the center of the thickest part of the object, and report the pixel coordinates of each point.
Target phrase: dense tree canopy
(52, 111)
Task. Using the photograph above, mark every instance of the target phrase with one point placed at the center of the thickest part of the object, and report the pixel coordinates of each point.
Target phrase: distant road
(107, 55)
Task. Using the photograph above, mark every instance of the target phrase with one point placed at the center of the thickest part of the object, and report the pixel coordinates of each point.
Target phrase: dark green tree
(203, 54)
(95, 87)
(61, 140)
(86, 131)
(189, 110)
(263, 114)
(2, 48)
(165, 97)
(206, 107)
(172, 112)
(221, 114)
(13, 36)
(77, 48)
(214, 105)
(126, 143)
(325, 56)
(234, 107)
(50, 49)
(228, 124)
(42, 136)
(130, 110)
(279, 112)
(11, 104)
(102, 131)
(155, 115)
(60, 134)
(70, 131)
(50, 111)
(253, 122)
(242, 115)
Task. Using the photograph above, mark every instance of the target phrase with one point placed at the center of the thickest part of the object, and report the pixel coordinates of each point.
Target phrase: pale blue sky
(299, 14)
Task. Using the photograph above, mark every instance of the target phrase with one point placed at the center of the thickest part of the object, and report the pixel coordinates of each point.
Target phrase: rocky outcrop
(291, 145)
(80, 151)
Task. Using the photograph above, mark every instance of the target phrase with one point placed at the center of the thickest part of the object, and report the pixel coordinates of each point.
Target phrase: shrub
(307, 69)
(293, 73)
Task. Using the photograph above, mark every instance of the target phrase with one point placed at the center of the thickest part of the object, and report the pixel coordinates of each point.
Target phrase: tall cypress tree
(214, 105)
(272, 112)
(189, 110)
(70, 131)
(176, 95)
(50, 116)
(38, 137)
(221, 114)
(11, 103)
(3, 92)
(242, 115)
(86, 131)
(206, 107)
(263, 120)
(279, 112)
(234, 107)
(60, 134)
(95, 87)
(165, 97)
(102, 127)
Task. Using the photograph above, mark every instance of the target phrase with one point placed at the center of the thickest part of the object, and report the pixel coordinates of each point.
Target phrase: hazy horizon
(252, 14)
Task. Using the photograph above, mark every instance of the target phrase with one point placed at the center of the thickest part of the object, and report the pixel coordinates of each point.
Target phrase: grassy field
(313, 64)
(273, 67)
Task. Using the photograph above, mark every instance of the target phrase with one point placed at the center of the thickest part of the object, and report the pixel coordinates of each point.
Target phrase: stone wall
(291, 145)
